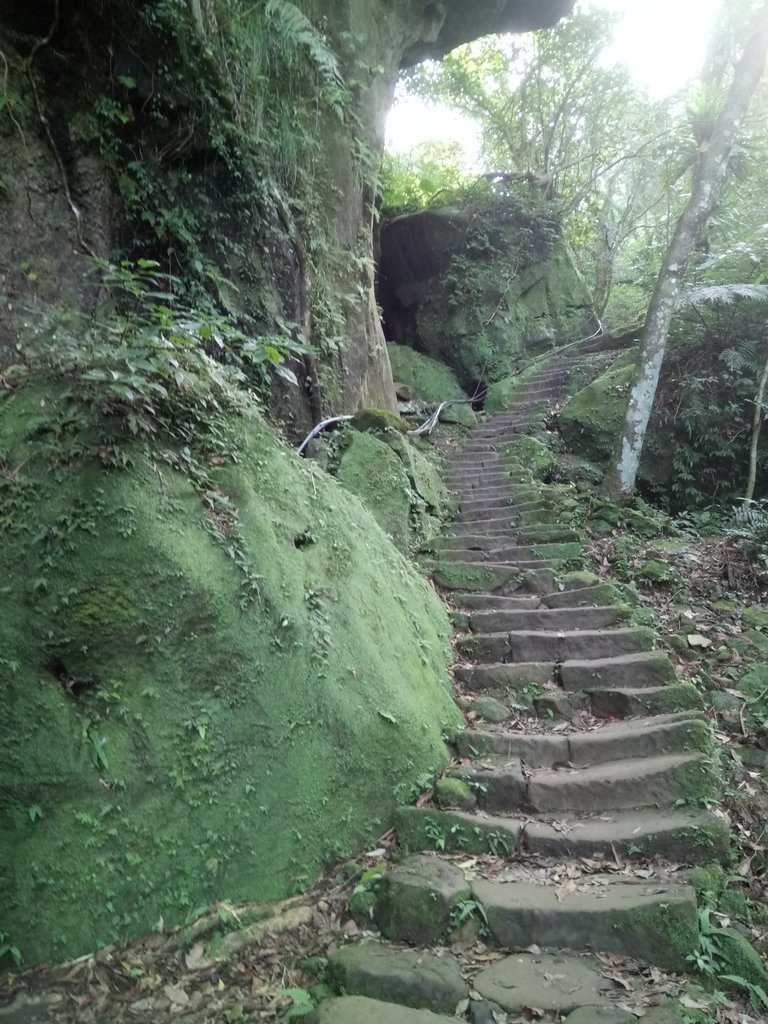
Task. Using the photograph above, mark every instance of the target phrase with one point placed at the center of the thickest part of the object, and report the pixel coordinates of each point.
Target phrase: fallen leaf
(176, 994)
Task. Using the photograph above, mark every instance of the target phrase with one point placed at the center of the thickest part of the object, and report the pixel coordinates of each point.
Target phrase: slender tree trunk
(708, 179)
(757, 422)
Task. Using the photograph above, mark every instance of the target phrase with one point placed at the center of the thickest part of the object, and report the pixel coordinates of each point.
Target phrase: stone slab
(546, 981)
(416, 978)
(359, 1010)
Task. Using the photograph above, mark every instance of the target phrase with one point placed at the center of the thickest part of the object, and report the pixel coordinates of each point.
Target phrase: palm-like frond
(297, 31)
(723, 294)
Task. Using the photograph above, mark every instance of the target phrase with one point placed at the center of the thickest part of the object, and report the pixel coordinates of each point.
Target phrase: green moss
(451, 792)
(432, 380)
(398, 483)
(530, 454)
(424, 829)
(739, 959)
(592, 419)
(378, 420)
(195, 714)
(707, 880)
(654, 571)
(455, 576)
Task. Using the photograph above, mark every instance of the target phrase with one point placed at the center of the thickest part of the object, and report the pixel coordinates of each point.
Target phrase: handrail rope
(426, 427)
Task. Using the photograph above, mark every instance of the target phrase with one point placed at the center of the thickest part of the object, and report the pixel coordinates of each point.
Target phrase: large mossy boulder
(400, 485)
(481, 284)
(431, 380)
(210, 690)
(591, 421)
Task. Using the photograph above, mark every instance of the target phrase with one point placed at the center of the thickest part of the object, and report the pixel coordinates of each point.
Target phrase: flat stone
(685, 835)
(556, 619)
(415, 899)
(651, 921)
(359, 1010)
(415, 978)
(574, 644)
(544, 981)
(672, 734)
(600, 1015)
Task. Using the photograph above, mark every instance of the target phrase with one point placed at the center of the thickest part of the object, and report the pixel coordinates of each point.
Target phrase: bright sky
(662, 42)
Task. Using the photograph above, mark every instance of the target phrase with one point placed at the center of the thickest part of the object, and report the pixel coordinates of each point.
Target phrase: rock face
(480, 284)
(260, 190)
(197, 705)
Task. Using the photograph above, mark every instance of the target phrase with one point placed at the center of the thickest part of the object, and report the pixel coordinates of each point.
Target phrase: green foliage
(429, 173)
(144, 358)
(722, 952)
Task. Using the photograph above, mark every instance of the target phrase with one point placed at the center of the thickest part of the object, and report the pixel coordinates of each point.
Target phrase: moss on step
(530, 454)
(423, 829)
(458, 576)
(451, 792)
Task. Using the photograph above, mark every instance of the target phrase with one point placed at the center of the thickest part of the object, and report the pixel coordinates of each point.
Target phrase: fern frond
(723, 294)
(297, 32)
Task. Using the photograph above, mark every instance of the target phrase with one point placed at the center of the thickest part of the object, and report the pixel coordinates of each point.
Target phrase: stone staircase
(576, 803)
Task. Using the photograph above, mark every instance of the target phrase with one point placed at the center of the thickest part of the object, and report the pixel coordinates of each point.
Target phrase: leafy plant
(146, 359)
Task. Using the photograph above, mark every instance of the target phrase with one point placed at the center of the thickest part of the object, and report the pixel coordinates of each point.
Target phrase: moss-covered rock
(480, 284)
(203, 699)
(431, 380)
(591, 421)
(450, 792)
(416, 899)
(378, 420)
(398, 483)
(529, 453)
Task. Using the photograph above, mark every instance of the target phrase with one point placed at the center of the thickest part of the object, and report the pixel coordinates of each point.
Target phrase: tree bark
(757, 422)
(708, 179)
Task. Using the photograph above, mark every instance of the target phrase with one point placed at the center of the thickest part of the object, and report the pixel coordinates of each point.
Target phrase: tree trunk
(757, 422)
(708, 179)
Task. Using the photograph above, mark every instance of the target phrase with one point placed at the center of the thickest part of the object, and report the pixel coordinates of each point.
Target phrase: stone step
(418, 979)
(470, 480)
(488, 491)
(632, 670)
(482, 601)
(360, 1010)
(650, 737)
(684, 835)
(546, 619)
(485, 578)
(510, 678)
(535, 645)
(652, 920)
(647, 700)
(513, 553)
(658, 781)
(582, 597)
